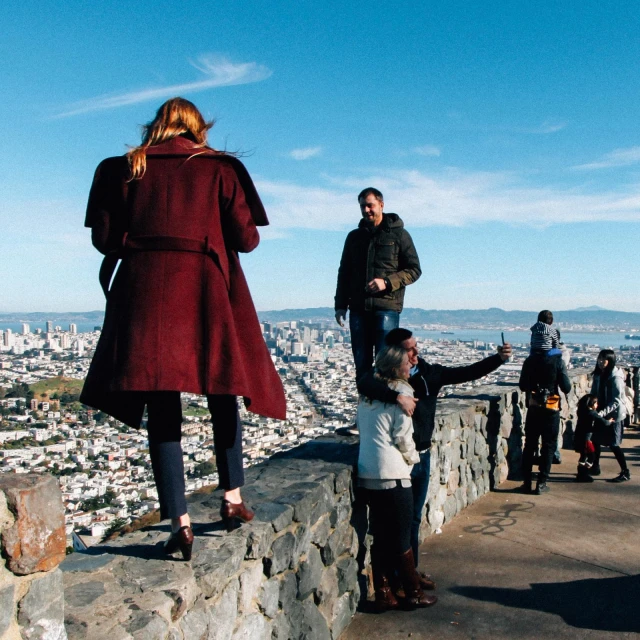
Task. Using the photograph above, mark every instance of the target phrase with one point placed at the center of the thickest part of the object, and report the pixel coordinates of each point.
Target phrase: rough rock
(347, 574)
(253, 627)
(41, 610)
(310, 573)
(250, 583)
(313, 626)
(279, 515)
(36, 540)
(268, 597)
(6, 607)
(280, 555)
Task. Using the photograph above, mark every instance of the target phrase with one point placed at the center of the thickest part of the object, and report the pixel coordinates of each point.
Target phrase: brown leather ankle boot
(385, 600)
(415, 597)
(233, 514)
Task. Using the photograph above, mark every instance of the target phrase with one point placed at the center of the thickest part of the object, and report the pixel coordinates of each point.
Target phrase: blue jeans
(368, 329)
(420, 487)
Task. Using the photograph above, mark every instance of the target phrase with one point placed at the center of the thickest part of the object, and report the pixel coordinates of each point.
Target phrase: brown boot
(415, 597)
(385, 600)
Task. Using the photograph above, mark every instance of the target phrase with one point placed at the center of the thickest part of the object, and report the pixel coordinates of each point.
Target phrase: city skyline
(504, 136)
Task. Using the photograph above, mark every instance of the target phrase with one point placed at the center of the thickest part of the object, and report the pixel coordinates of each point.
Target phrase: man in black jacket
(427, 380)
(542, 377)
(379, 261)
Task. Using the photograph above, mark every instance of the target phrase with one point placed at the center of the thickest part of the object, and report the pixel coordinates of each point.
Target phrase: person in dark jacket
(426, 379)
(589, 422)
(378, 262)
(542, 377)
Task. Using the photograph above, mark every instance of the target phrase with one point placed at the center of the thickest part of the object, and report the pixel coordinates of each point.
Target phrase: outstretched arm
(456, 375)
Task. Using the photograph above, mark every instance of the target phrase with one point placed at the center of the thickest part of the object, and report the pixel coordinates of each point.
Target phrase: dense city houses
(104, 466)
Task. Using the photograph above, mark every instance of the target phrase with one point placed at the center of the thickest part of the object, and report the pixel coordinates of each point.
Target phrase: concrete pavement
(563, 565)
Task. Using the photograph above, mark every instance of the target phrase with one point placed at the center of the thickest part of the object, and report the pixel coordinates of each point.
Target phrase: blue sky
(505, 134)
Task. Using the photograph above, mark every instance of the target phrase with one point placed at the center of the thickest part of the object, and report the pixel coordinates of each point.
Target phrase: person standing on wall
(379, 261)
(179, 315)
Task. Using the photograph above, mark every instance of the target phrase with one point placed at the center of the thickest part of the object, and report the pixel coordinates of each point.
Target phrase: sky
(504, 134)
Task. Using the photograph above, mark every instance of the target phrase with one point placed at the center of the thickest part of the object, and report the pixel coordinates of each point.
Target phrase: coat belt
(154, 243)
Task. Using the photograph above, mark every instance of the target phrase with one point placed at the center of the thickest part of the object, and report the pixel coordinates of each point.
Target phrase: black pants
(164, 427)
(390, 515)
(541, 424)
(617, 452)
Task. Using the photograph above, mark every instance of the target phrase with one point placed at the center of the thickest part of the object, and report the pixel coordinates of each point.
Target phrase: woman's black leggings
(164, 427)
(617, 452)
(390, 515)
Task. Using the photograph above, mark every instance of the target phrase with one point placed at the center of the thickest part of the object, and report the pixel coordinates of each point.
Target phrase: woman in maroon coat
(179, 314)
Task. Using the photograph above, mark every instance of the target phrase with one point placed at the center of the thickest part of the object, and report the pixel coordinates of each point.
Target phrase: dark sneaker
(556, 460)
(595, 470)
(541, 487)
(584, 477)
(623, 477)
(525, 488)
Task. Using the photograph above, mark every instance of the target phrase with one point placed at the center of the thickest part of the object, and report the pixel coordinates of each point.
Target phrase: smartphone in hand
(502, 334)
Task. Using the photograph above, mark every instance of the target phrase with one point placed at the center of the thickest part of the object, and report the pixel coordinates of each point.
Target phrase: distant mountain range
(594, 316)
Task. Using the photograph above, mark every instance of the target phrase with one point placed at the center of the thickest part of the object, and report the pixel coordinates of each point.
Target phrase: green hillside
(58, 385)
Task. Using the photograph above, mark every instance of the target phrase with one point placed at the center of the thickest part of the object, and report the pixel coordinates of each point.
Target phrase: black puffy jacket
(386, 251)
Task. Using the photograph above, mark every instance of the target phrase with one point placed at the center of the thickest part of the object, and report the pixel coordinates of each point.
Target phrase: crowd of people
(174, 213)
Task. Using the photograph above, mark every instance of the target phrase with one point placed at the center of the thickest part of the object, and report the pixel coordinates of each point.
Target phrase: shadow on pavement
(600, 604)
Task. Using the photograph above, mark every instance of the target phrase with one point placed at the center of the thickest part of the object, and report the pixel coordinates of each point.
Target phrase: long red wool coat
(179, 314)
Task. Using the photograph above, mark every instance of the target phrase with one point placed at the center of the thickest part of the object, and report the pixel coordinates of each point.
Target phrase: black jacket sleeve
(563, 377)
(456, 375)
(408, 264)
(342, 286)
(376, 389)
(524, 382)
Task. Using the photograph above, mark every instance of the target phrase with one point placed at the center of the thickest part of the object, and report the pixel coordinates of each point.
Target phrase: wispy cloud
(451, 197)
(548, 127)
(615, 158)
(306, 153)
(427, 150)
(218, 71)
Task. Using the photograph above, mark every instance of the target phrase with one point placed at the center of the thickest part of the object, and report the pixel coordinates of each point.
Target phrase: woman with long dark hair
(608, 386)
(179, 314)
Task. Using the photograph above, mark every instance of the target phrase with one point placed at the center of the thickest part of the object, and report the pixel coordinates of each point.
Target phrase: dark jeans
(419, 487)
(164, 427)
(617, 452)
(541, 424)
(368, 329)
(390, 519)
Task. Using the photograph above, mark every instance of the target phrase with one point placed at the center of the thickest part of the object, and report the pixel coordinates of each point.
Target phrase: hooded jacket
(610, 392)
(386, 251)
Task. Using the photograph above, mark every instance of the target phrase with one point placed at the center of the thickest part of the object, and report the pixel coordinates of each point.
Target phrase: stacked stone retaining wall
(298, 570)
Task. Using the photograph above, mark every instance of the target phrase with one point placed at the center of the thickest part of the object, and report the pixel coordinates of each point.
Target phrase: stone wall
(290, 573)
(33, 545)
(478, 444)
(298, 570)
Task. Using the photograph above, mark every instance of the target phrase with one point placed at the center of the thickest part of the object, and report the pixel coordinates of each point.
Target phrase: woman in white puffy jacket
(609, 387)
(387, 455)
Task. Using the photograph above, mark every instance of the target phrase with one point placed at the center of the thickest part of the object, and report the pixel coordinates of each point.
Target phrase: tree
(204, 469)
(114, 527)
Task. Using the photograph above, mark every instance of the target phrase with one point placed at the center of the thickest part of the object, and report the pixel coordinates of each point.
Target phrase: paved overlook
(564, 565)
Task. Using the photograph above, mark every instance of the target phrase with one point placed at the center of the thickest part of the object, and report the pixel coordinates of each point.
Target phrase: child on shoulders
(545, 339)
